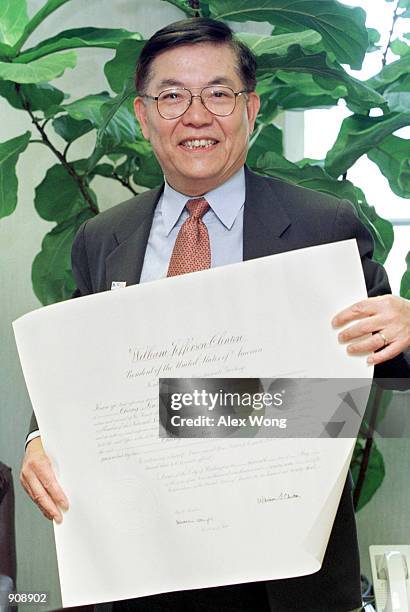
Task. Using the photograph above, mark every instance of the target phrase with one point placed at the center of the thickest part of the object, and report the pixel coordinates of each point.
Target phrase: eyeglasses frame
(156, 98)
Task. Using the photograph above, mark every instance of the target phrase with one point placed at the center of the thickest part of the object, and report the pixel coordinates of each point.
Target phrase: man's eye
(172, 95)
(219, 93)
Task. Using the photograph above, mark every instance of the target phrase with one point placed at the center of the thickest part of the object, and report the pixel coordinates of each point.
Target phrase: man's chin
(205, 170)
(197, 183)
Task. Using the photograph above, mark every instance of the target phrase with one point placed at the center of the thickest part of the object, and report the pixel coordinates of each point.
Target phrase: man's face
(194, 171)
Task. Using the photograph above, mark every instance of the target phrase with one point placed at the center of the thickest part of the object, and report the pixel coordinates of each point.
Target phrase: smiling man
(197, 105)
(200, 120)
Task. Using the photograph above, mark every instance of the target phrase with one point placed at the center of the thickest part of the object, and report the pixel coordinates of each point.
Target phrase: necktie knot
(197, 207)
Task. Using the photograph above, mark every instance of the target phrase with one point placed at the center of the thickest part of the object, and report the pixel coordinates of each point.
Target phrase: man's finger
(360, 310)
(41, 498)
(389, 352)
(367, 345)
(50, 484)
(38, 479)
(368, 326)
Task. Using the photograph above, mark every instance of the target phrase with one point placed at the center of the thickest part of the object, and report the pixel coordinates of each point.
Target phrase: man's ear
(141, 113)
(252, 106)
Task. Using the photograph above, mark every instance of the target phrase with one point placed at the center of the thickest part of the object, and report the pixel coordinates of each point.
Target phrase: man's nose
(197, 113)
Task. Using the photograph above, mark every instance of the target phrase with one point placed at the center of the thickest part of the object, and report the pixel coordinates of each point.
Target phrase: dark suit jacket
(278, 217)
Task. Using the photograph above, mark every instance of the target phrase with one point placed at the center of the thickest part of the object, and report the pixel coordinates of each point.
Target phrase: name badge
(118, 285)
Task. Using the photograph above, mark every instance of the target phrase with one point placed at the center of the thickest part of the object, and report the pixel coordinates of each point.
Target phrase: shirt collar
(226, 200)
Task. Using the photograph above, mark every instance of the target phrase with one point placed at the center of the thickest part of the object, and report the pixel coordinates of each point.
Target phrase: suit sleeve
(395, 373)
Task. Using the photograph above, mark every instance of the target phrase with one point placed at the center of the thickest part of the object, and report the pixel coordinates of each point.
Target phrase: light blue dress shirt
(224, 221)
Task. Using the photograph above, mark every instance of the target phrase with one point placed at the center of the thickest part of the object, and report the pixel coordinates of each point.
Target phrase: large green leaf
(39, 97)
(121, 129)
(357, 136)
(390, 73)
(311, 177)
(88, 108)
(121, 69)
(58, 196)
(70, 129)
(315, 177)
(51, 271)
(112, 107)
(9, 154)
(279, 44)
(342, 28)
(268, 138)
(104, 169)
(6, 51)
(149, 173)
(184, 6)
(326, 74)
(375, 472)
(13, 20)
(398, 95)
(40, 71)
(278, 95)
(380, 229)
(399, 47)
(374, 37)
(78, 37)
(392, 156)
(49, 7)
(405, 281)
(305, 84)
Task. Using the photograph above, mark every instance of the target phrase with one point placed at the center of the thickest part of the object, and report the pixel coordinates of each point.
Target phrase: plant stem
(60, 156)
(35, 21)
(125, 182)
(368, 447)
(65, 148)
(395, 17)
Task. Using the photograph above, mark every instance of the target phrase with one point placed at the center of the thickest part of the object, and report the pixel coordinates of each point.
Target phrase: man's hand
(38, 479)
(386, 317)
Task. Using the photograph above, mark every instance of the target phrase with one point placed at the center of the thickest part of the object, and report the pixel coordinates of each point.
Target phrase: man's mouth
(197, 144)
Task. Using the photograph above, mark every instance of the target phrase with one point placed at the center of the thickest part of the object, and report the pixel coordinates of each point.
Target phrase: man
(197, 106)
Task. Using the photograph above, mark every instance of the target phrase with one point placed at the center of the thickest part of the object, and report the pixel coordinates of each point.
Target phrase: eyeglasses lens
(173, 103)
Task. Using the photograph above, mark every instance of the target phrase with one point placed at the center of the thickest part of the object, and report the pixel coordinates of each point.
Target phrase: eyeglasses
(175, 101)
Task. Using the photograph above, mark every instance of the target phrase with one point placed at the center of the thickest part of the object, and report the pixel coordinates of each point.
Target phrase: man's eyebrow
(170, 83)
(219, 80)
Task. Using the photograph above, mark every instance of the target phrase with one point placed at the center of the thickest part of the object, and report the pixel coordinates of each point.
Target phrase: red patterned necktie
(192, 251)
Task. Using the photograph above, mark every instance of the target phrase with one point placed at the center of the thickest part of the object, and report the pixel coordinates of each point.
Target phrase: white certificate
(151, 515)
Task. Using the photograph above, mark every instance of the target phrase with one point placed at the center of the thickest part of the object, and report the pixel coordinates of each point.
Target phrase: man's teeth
(194, 144)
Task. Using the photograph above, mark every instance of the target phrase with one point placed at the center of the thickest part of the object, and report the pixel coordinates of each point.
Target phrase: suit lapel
(265, 221)
(125, 262)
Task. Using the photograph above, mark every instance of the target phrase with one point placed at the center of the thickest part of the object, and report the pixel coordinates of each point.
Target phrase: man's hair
(190, 32)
